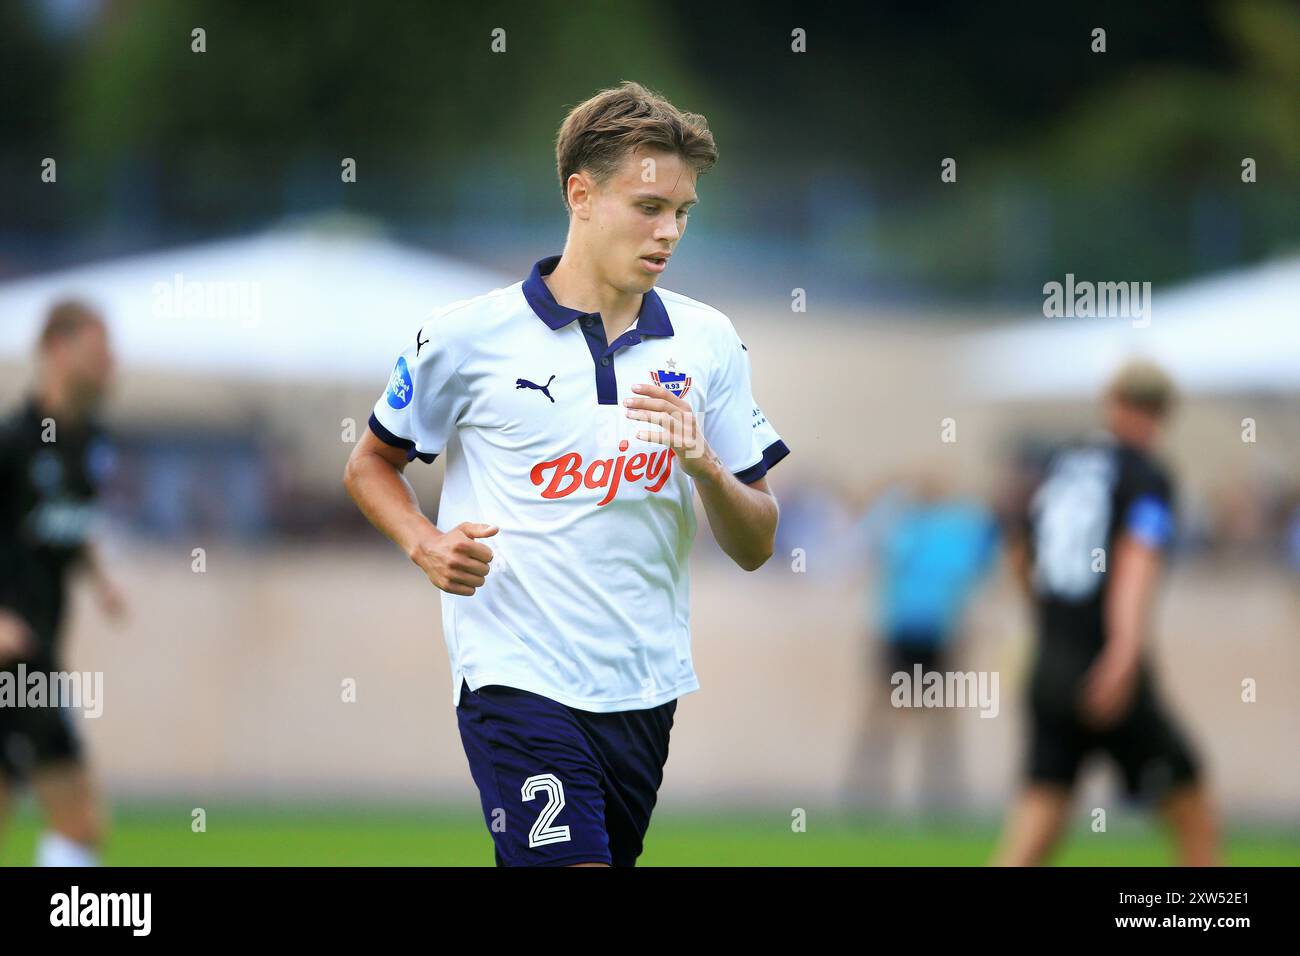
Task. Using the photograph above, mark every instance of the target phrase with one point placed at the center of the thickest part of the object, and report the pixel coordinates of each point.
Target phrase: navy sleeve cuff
(388, 438)
(771, 455)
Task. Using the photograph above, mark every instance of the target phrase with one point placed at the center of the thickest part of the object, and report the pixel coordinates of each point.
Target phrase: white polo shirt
(588, 598)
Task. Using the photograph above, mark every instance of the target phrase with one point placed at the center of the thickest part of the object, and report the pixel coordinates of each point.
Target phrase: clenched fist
(456, 562)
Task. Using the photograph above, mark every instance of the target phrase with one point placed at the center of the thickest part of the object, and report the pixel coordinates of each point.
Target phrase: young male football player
(53, 458)
(1099, 526)
(579, 411)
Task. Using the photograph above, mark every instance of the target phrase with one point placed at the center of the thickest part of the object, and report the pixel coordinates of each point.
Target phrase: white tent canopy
(1235, 332)
(296, 304)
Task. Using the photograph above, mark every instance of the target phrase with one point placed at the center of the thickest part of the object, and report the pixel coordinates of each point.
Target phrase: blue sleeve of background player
(1151, 520)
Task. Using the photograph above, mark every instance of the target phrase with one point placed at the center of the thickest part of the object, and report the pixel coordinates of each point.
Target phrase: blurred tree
(1141, 172)
(407, 89)
(1067, 159)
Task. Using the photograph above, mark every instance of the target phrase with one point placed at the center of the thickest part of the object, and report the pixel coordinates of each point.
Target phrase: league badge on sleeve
(679, 383)
(399, 385)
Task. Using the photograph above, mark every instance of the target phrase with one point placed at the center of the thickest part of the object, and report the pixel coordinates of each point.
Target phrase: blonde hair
(1143, 385)
(66, 319)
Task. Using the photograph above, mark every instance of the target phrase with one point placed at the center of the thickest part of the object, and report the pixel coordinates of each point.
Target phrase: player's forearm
(1126, 617)
(1021, 568)
(743, 519)
(1128, 604)
(388, 501)
(92, 565)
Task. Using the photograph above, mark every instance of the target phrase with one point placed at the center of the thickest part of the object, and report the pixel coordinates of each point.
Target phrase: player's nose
(667, 229)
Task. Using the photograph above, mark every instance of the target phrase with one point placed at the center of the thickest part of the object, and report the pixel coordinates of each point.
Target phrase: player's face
(639, 214)
(1133, 425)
(90, 362)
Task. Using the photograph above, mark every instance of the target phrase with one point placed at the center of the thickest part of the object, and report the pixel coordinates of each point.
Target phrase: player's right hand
(15, 638)
(456, 562)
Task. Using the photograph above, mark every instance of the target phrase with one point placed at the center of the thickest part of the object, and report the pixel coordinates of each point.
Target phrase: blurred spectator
(813, 519)
(930, 549)
(1291, 541)
(1238, 519)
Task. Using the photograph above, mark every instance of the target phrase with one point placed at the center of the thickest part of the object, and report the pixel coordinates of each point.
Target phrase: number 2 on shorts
(542, 833)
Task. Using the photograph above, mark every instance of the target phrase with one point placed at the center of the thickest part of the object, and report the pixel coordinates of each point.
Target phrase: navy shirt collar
(652, 320)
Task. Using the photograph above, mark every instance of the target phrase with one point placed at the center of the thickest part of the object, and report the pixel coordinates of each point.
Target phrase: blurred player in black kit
(1093, 546)
(53, 457)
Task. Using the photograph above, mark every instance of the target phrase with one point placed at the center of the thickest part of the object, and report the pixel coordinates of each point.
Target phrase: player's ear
(580, 186)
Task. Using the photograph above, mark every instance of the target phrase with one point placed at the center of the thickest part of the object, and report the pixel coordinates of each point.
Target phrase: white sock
(54, 849)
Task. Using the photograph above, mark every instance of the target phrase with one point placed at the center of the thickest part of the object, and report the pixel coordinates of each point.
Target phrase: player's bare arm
(1021, 564)
(15, 636)
(454, 561)
(743, 517)
(1108, 688)
(111, 599)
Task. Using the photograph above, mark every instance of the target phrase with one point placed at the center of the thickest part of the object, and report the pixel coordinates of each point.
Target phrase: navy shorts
(560, 785)
(32, 738)
(1150, 748)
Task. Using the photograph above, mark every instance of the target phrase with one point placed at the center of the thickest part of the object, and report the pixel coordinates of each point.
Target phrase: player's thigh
(632, 747)
(41, 746)
(1152, 751)
(1057, 743)
(540, 785)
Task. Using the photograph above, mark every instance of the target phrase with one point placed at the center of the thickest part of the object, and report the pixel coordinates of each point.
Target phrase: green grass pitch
(158, 834)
